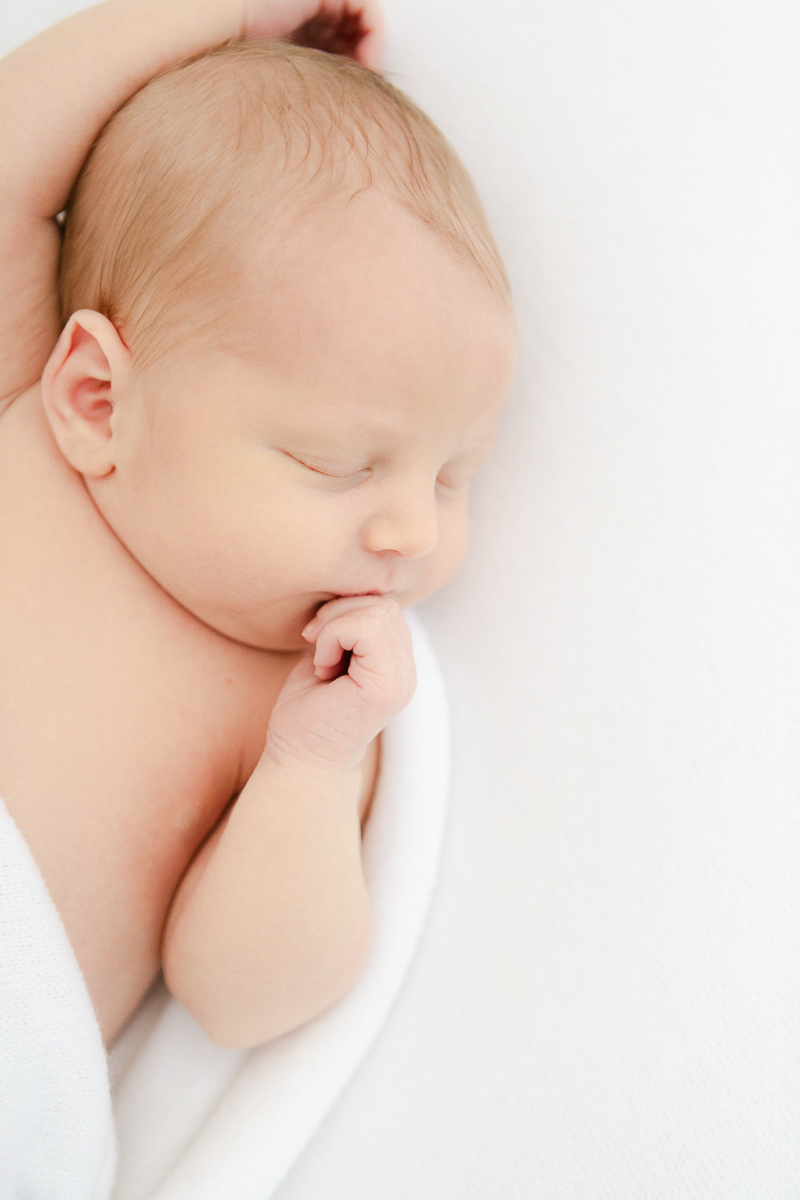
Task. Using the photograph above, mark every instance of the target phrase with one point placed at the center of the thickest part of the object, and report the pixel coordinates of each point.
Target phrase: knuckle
(390, 606)
(369, 614)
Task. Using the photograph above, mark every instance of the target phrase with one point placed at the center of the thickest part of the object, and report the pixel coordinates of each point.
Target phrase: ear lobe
(86, 373)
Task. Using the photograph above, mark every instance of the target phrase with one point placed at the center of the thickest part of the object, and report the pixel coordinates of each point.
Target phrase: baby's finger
(337, 639)
(380, 645)
(369, 51)
(342, 604)
(345, 27)
(351, 29)
(328, 658)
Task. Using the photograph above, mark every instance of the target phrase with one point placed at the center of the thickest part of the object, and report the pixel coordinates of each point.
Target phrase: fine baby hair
(230, 144)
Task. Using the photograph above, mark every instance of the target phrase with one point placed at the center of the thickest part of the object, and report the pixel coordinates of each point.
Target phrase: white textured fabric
(56, 1136)
(194, 1121)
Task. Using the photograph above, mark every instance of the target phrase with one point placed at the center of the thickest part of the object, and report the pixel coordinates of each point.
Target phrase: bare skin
(126, 725)
(189, 778)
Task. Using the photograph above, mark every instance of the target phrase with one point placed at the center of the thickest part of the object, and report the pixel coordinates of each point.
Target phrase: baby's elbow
(236, 1018)
(245, 1026)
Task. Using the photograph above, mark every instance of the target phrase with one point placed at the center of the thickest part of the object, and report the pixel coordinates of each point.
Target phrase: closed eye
(349, 477)
(457, 475)
(453, 483)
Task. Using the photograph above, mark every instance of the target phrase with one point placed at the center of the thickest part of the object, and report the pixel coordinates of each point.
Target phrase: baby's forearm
(58, 90)
(63, 85)
(276, 926)
(56, 93)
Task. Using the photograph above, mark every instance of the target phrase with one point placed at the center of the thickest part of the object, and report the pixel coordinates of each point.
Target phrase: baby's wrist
(316, 747)
(291, 775)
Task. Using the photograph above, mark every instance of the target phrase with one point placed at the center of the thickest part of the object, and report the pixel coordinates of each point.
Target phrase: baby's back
(126, 725)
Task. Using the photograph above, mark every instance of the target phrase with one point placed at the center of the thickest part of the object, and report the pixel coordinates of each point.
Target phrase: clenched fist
(353, 28)
(326, 715)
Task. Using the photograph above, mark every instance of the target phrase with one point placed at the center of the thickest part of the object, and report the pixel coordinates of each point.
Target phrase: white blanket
(193, 1121)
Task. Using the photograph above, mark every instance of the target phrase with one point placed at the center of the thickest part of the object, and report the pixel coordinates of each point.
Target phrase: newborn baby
(285, 342)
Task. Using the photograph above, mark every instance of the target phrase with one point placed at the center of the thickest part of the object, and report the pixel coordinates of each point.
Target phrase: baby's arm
(274, 926)
(56, 93)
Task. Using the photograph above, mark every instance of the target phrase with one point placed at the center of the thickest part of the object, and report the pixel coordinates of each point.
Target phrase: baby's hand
(353, 28)
(326, 715)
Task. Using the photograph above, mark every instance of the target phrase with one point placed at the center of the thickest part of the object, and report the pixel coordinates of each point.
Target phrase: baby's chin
(279, 632)
(277, 626)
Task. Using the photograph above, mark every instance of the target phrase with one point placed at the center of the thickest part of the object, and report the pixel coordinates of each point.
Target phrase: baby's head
(288, 339)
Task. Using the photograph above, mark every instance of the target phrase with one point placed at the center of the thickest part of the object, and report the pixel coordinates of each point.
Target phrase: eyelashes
(345, 480)
(351, 477)
(451, 486)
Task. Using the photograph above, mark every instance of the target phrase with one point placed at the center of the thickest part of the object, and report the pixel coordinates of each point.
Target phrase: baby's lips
(363, 592)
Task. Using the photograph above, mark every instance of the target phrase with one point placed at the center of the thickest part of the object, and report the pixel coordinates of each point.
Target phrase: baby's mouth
(372, 592)
(347, 595)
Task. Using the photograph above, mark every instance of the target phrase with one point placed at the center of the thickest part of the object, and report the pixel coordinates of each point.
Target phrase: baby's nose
(410, 527)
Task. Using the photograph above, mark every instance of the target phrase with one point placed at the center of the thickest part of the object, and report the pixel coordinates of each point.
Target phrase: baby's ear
(88, 367)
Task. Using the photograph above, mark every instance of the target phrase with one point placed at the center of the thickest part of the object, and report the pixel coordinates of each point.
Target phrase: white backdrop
(606, 999)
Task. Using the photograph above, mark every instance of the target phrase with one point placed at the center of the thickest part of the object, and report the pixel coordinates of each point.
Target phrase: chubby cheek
(285, 545)
(267, 548)
(454, 540)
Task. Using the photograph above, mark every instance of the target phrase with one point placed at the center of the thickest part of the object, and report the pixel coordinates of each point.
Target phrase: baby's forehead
(372, 320)
(353, 259)
(376, 340)
(200, 156)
